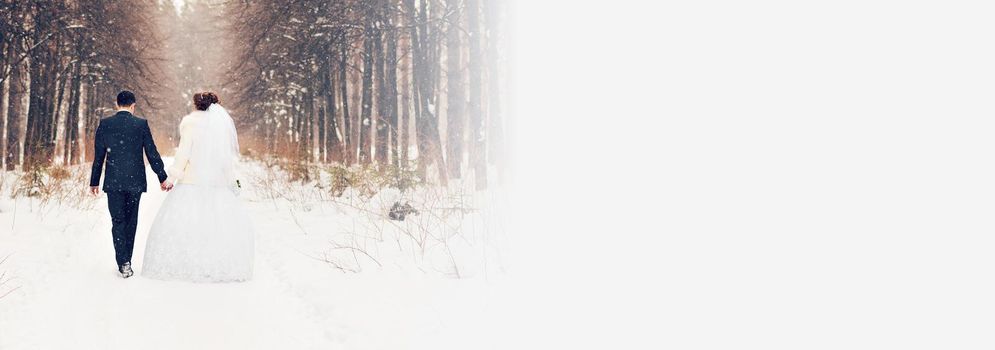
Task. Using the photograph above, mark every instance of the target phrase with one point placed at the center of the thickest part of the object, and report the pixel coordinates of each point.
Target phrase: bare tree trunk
(334, 144)
(404, 126)
(4, 94)
(323, 93)
(391, 80)
(309, 105)
(456, 98)
(72, 119)
(4, 102)
(271, 134)
(346, 118)
(5, 40)
(366, 120)
(15, 110)
(84, 105)
(381, 94)
(329, 129)
(92, 117)
(40, 108)
(495, 138)
(57, 113)
(478, 154)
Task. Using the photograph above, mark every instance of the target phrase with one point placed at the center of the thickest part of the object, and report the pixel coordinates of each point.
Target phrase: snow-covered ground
(331, 273)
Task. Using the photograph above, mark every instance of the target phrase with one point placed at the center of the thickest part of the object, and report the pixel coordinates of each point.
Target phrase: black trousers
(124, 219)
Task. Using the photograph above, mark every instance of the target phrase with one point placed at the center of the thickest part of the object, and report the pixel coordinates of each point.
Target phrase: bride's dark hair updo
(202, 100)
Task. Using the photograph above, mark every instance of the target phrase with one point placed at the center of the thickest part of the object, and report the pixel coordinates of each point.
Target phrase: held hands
(165, 186)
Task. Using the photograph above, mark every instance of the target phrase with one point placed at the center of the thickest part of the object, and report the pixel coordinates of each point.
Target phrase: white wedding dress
(202, 232)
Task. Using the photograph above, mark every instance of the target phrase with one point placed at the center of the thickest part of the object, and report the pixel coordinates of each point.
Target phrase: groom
(121, 139)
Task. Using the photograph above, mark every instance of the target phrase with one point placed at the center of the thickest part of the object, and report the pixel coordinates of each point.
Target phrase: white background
(763, 174)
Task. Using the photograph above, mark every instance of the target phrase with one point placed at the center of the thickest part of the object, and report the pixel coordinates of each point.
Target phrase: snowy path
(69, 295)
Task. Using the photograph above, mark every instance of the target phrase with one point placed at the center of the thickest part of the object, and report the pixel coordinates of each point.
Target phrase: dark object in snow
(398, 211)
(126, 270)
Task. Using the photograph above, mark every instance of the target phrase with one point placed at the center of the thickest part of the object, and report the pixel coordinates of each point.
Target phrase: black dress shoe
(126, 270)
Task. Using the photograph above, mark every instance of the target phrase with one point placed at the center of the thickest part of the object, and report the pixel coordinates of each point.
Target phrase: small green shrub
(368, 181)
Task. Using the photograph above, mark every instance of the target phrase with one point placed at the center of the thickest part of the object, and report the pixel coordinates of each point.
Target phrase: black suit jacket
(121, 139)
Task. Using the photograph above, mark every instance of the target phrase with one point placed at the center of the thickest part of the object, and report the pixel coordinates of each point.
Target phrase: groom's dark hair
(125, 98)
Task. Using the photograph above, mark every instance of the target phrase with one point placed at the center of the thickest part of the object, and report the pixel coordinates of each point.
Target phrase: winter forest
(372, 164)
(391, 84)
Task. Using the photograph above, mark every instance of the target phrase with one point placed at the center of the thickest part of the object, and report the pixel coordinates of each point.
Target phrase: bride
(202, 232)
